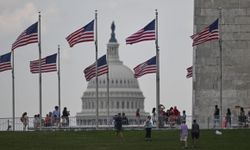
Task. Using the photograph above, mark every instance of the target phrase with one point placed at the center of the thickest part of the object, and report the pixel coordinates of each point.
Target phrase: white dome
(124, 93)
(120, 76)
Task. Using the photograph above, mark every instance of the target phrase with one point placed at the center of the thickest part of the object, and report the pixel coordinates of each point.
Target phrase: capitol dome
(120, 77)
(122, 96)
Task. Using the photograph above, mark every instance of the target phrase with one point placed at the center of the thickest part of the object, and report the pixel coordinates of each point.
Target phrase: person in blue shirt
(56, 116)
(148, 128)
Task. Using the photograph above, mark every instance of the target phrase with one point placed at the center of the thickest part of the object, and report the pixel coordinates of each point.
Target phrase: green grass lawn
(133, 140)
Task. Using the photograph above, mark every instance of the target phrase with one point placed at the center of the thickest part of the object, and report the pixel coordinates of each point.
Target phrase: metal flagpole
(40, 74)
(220, 44)
(96, 58)
(194, 72)
(158, 69)
(59, 80)
(108, 92)
(13, 91)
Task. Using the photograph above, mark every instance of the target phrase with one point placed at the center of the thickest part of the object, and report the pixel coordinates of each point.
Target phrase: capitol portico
(125, 95)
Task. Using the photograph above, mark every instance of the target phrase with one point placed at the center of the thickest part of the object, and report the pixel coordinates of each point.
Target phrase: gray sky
(60, 18)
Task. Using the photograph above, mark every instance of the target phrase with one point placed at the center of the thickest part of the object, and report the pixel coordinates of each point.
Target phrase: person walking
(148, 127)
(184, 134)
(195, 132)
(118, 125)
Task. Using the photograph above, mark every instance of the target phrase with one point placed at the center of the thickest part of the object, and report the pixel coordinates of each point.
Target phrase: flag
(102, 66)
(5, 63)
(145, 34)
(209, 33)
(189, 72)
(84, 34)
(28, 36)
(146, 68)
(48, 64)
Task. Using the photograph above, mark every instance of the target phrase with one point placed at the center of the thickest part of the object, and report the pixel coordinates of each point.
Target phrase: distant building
(125, 95)
(235, 34)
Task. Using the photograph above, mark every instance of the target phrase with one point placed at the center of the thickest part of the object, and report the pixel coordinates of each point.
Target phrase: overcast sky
(62, 17)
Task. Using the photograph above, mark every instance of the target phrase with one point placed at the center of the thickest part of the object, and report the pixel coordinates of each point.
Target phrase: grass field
(133, 140)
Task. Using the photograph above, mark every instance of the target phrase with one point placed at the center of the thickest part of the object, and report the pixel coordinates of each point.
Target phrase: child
(195, 132)
(148, 127)
(183, 134)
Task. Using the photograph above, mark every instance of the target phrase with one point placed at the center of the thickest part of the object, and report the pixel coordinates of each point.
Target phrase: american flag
(189, 72)
(48, 64)
(146, 67)
(90, 72)
(145, 34)
(84, 34)
(209, 33)
(5, 63)
(28, 36)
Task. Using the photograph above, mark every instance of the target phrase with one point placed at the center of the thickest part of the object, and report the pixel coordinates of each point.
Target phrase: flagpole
(158, 68)
(220, 44)
(194, 71)
(96, 58)
(13, 92)
(108, 91)
(40, 74)
(59, 80)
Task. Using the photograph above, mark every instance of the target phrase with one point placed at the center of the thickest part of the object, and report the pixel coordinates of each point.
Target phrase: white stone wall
(235, 33)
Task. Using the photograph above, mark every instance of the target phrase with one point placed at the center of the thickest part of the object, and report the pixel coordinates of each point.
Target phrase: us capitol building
(125, 95)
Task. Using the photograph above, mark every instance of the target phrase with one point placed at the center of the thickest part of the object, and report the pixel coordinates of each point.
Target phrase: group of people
(195, 133)
(242, 118)
(52, 119)
(148, 125)
(56, 119)
(171, 116)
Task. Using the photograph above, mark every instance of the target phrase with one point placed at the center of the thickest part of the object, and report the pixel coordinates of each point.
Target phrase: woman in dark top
(228, 118)
(65, 117)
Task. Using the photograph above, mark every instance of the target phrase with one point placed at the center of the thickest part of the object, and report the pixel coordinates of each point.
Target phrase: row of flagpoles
(88, 34)
(85, 34)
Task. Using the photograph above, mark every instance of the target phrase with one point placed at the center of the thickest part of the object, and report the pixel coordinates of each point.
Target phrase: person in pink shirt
(184, 134)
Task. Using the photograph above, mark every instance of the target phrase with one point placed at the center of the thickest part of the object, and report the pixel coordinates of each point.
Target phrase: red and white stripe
(143, 69)
(189, 72)
(5, 66)
(141, 35)
(90, 72)
(34, 66)
(80, 36)
(25, 39)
